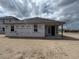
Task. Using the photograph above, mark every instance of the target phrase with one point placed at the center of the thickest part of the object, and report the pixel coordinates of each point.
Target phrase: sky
(63, 10)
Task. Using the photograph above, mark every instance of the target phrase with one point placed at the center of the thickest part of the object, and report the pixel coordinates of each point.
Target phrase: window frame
(12, 28)
(3, 29)
(35, 28)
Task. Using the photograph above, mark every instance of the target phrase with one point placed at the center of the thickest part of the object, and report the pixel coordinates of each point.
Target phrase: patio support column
(62, 30)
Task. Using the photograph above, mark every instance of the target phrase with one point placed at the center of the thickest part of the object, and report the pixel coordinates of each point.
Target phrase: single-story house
(33, 27)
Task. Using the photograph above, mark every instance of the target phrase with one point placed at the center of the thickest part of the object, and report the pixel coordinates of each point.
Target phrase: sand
(23, 48)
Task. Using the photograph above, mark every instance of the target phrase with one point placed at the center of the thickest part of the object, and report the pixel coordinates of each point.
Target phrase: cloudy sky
(56, 9)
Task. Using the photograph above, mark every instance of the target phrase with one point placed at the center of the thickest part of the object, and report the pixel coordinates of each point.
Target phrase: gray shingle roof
(41, 20)
(38, 20)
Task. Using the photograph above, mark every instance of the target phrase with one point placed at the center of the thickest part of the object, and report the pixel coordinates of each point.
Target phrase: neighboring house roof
(8, 18)
(37, 20)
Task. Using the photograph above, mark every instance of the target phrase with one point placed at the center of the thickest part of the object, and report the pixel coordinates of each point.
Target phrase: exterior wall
(25, 30)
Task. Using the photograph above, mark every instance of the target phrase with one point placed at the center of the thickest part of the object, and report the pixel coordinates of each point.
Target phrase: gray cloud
(56, 9)
(66, 2)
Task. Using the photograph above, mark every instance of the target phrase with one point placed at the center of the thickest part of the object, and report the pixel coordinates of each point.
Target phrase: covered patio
(54, 31)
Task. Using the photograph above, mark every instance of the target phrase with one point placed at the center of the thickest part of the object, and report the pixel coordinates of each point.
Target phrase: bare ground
(23, 48)
(74, 35)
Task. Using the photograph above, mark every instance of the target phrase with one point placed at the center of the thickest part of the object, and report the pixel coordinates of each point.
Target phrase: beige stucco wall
(25, 30)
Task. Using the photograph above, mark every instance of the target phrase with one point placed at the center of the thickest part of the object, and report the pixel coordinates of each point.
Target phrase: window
(35, 28)
(12, 28)
(9, 20)
(3, 29)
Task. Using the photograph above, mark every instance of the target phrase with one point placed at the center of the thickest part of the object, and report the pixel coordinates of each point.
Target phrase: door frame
(53, 30)
(48, 30)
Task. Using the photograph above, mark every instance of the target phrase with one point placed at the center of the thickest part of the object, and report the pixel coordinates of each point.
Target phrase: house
(2, 25)
(2, 29)
(33, 27)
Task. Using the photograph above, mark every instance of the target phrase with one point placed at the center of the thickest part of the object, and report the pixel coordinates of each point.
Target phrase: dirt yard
(23, 48)
(74, 35)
